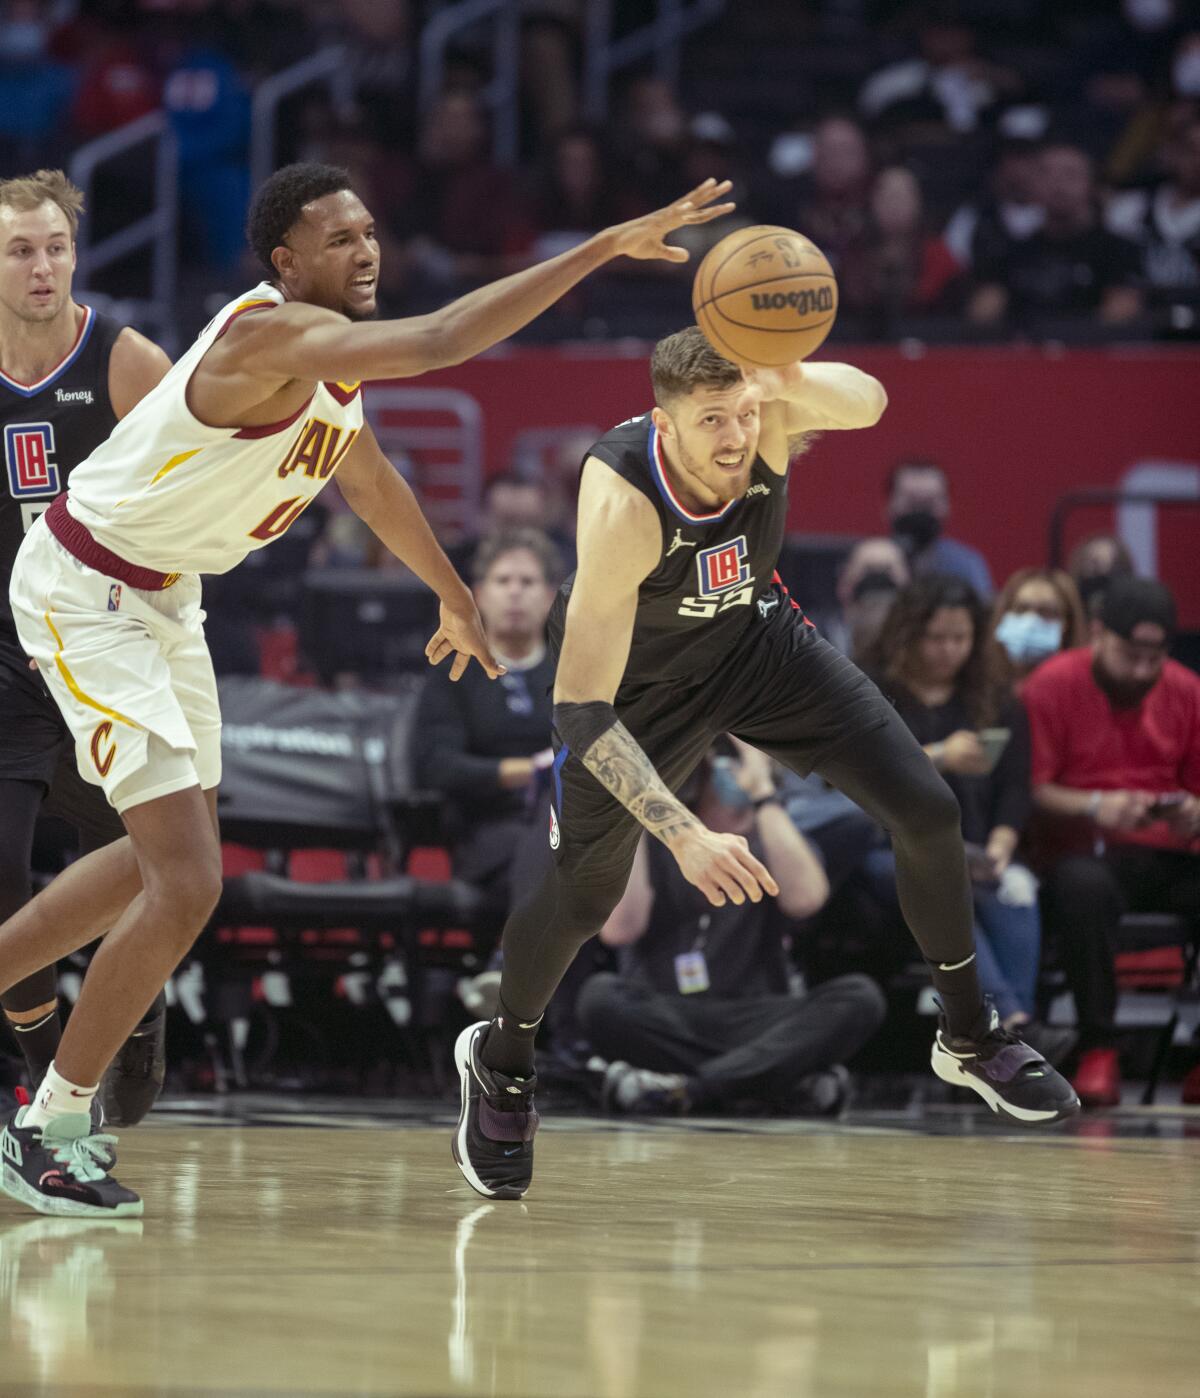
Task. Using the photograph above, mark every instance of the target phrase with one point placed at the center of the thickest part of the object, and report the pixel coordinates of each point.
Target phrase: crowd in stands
(971, 169)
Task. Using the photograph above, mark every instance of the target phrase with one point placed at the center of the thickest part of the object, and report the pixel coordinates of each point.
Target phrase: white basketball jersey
(167, 492)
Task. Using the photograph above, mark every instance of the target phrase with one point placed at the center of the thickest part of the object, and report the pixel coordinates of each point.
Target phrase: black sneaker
(134, 1078)
(1011, 1077)
(640, 1092)
(62, 1169)
(493, 1145)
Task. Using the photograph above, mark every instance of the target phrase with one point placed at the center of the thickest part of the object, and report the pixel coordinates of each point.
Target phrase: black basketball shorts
(782, 688)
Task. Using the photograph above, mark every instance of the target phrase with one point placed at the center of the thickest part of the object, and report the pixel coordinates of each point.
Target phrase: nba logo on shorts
(723, 567)
(29, 457)
(114, 597)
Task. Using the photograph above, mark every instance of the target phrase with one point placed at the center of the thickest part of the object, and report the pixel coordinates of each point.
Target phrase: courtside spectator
(700, 1016)
(874, 572)
(1116, 780)
(482, 742)
(1093, 564)
(936, 661)
(1037, 613)
(918, 506)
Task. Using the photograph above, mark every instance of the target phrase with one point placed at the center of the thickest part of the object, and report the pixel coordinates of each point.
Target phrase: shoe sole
(951, 1071)
(458, 1143)
(16, 1188)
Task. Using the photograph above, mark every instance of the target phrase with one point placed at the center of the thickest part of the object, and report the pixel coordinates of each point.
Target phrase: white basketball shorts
(128, 669)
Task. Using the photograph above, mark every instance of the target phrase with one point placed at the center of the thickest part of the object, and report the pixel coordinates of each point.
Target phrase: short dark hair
(686, 361)
(534, 541)
(281, 199)
(911, 463)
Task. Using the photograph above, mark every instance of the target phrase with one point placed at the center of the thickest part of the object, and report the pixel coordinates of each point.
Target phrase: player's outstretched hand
(643, 237)
(721, 866)
(461, 635)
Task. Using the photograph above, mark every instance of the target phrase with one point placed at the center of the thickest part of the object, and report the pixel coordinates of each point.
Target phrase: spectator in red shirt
(1116, 779)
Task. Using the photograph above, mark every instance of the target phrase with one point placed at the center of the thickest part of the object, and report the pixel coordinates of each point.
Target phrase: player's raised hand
(721, 866)
(461, 635)
(772, 384)
(644, 237)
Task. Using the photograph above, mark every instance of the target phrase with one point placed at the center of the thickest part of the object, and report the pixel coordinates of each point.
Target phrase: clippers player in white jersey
(220, 459)
(67, 375)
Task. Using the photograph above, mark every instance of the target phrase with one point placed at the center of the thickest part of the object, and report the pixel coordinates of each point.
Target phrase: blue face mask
(725, 785)
(1029, 638)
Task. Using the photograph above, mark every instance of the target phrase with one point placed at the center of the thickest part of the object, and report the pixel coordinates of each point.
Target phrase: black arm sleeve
(579, 725)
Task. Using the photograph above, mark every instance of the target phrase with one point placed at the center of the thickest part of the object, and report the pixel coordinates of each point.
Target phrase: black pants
(757, 1048)
(789, 693)
(1084, 897)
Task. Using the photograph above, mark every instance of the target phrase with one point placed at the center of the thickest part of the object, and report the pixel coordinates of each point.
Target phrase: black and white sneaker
(493, 1143)
(62, 1169)
(1011, 1077)
(135, 1077)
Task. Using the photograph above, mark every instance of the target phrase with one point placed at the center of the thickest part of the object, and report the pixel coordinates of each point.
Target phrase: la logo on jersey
(723, 567)
(29, 459)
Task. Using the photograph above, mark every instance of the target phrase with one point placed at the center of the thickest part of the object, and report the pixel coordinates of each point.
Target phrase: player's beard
(724, 487)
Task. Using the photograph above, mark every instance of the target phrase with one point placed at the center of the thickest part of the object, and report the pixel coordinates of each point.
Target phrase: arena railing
(328, 65)
(156, 230)
(660, 40)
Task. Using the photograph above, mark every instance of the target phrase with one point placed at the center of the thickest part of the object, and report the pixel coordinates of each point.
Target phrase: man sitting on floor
(700, 1016)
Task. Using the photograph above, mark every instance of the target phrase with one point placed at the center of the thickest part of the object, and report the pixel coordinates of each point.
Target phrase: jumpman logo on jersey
(679, 542)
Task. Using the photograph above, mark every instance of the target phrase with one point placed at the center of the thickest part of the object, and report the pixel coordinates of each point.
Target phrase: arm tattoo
(618, 763)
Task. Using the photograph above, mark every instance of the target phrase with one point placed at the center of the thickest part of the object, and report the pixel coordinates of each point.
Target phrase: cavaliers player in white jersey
(217, 460)
(68, 374)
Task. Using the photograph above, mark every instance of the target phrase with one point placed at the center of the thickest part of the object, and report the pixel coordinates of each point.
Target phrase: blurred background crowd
(979, 172)
(974, 168)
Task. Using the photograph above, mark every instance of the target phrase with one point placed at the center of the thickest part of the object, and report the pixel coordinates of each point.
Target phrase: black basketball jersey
(716, 569)
(49, 427)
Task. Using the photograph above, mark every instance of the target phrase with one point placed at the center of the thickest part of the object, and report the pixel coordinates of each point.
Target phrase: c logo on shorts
(102, 734)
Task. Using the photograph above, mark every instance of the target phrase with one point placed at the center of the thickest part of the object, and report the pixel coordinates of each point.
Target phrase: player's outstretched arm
(620, 543)
(819, 397)
(381, 497)
(322, 345)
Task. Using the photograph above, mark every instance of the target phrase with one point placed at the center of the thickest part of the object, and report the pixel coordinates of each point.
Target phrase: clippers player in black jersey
(674, 629)
(67, 374)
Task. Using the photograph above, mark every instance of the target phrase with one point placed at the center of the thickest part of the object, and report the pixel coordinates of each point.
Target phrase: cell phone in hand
(994, 741)
(1166, 803)
(979, 865)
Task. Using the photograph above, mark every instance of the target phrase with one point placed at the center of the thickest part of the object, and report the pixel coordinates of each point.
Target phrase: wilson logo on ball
(804, 302)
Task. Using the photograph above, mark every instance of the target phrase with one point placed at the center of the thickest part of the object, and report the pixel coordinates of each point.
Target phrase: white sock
(57, 1097)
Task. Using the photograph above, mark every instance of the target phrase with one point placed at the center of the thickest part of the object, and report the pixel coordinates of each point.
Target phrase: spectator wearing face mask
(1093, 565)
(1116, 784)
(917, 508)
(1037, 614)
(874, 571)
(936, 661)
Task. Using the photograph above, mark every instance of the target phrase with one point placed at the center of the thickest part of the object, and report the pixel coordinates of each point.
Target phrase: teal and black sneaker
(63, 1169)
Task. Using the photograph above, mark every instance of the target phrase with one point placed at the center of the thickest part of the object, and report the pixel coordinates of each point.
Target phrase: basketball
(765, 296)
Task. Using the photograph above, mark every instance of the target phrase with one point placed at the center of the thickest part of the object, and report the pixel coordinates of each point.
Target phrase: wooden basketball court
(934, 1255)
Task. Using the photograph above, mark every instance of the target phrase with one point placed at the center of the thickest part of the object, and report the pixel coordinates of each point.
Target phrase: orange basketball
(765, 296)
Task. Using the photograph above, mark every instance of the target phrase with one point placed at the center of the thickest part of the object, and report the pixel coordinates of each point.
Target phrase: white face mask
(1185, 75)
(1149, 15)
